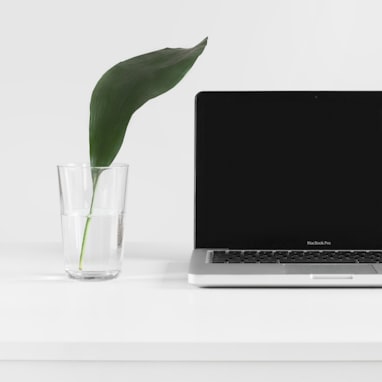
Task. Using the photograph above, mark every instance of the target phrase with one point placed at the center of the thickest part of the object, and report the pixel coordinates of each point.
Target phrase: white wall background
(53, 52)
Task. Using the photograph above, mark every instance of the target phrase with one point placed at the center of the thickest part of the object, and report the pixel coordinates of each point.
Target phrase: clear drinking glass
(92, 218)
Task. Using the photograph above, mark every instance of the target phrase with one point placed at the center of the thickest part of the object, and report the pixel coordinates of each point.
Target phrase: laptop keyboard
(284, 256)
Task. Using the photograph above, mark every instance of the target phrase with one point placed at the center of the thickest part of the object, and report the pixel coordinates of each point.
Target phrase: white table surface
(150, 313)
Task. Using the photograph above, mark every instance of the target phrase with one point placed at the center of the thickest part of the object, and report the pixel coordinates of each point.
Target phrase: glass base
(93, 275)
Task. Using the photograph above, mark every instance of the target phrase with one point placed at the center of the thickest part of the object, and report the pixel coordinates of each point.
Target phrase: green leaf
(125, 88)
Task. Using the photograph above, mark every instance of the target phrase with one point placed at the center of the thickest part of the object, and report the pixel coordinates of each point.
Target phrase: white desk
(150, 325)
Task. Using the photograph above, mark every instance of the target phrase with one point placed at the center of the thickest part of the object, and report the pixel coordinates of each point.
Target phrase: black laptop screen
(290, 170)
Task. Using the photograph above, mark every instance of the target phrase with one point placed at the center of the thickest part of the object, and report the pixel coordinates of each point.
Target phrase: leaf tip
(203, 43)
(199, 48)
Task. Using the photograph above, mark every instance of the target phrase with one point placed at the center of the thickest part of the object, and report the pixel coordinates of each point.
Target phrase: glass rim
(88, 165)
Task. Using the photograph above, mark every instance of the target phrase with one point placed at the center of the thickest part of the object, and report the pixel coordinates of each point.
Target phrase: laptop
(288, 189)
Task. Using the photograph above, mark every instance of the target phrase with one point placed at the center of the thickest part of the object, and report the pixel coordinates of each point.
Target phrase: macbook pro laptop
(288, 189)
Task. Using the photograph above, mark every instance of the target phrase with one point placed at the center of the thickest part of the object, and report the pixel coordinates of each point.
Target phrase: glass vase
(92, 219)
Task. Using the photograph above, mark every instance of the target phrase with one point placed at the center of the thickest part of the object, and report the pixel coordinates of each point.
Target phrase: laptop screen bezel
(205, 96)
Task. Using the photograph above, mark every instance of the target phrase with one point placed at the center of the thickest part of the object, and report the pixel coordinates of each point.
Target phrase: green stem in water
(87, 224)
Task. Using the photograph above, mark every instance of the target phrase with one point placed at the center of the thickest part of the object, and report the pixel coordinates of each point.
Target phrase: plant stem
(87, 224)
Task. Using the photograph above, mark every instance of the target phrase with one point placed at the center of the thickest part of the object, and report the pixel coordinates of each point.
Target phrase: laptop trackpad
(329, 269)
